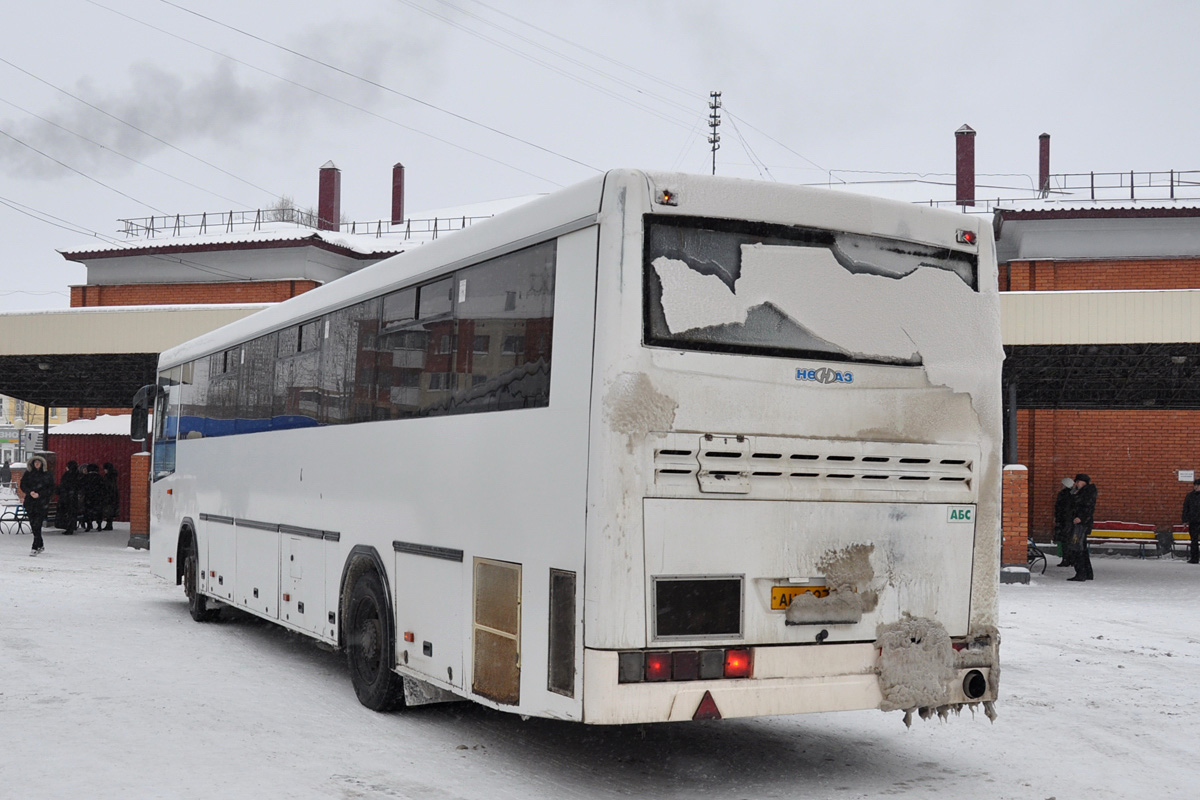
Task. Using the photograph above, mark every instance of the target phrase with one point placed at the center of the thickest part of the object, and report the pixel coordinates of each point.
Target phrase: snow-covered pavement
(109, 689)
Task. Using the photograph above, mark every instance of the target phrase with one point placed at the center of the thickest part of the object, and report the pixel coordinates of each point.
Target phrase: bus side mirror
(139, 421)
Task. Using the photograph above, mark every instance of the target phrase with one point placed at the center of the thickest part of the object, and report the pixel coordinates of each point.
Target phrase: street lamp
(19, 424)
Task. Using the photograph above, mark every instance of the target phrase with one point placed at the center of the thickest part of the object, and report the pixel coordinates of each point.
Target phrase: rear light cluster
(683, 665)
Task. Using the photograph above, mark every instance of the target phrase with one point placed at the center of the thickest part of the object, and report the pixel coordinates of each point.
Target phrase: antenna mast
(714, 121)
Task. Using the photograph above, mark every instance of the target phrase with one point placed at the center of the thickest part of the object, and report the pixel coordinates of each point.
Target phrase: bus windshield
(784, 291)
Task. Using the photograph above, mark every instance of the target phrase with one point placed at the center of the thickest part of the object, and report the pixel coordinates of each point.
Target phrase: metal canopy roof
(84, 381)
(1105, 376)
(97, 357)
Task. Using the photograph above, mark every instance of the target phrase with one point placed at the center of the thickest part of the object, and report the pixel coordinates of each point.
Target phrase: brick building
(1101, 322)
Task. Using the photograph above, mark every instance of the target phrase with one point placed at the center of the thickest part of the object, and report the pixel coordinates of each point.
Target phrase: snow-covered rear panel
(796, 292)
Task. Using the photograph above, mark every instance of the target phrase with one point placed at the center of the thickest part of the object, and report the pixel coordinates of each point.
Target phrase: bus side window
(295, 401)
(348, 363)
(505, 317)
(166, 422)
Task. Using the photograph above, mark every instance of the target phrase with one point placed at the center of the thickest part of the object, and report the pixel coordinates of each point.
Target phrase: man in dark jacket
(92, 487)
(1085, 510)
(38, 486)
(112, 496)
(1191, 515)
(1064, 507)
(67, 515)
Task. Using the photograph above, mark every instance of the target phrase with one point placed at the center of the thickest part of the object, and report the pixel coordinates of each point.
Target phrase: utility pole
(714, 121)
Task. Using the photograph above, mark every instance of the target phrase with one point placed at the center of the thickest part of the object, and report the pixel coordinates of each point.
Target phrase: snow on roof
(103, 425)
(186, 307)
(488, 208)
(377, 237)
(1100, 208)
(360, 243)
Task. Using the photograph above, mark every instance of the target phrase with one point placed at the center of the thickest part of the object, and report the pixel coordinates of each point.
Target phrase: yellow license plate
(782, 596)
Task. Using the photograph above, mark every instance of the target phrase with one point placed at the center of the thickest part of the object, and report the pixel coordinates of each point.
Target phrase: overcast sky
(488, 99)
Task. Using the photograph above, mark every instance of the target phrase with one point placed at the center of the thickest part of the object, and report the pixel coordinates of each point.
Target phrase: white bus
(655, 447)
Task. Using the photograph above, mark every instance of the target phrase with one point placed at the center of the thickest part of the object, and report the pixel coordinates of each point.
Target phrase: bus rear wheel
(197, 602)
(370, 645)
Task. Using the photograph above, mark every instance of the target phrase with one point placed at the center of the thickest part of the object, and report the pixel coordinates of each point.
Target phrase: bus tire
(370, 644)
(197, 602)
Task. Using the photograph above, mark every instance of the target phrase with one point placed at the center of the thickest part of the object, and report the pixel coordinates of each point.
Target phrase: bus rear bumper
(787, 680)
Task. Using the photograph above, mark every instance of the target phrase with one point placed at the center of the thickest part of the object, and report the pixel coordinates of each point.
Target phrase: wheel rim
(189, 577)
(370, 636)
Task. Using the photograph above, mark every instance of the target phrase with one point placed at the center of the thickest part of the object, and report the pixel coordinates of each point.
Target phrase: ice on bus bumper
(913, 667)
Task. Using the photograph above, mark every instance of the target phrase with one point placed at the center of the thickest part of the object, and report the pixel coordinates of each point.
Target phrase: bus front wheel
(370, 644)
(197, 602)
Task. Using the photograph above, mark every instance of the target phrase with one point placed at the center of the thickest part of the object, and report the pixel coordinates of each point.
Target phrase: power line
(377, 85)
(325, 95)
(118, 153)
(134, 127)
(776, 141)
(67, 225)
(757, 162)
(63, 164)
(688, 143)
(557, 53)
(613, 61)
(598, 54)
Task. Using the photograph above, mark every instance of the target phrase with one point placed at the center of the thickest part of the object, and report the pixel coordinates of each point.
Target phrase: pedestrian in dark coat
(38, 486)
(1085, 510)
(92, 487)
(67, 514)
(1064, 506)
(1191, 515)
(112, 496)
(5, 473)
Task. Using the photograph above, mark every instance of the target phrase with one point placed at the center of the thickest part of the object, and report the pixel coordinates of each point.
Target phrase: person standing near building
(1064, 506)
(1191, 515)
(1085, 510)
(67, 516)
(38, 486)
(112, 496)
(5, 473)
(93, 490)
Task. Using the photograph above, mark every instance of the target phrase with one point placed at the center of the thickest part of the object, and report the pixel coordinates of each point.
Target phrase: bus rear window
(771, 290)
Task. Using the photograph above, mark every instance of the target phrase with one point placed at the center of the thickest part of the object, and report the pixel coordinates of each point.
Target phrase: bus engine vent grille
(778, 467)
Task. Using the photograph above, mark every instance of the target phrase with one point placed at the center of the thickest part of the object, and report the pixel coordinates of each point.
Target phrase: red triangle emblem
(707, 708)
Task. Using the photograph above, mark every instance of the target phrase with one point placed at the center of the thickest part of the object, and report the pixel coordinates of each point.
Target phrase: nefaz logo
(824, 375)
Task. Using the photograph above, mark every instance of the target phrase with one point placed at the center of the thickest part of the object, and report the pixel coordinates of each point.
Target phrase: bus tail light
(737, 663)
(658, 666)
(636, 666)
(685, 665)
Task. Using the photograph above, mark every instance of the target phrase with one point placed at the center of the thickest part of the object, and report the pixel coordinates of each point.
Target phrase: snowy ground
(109, 689)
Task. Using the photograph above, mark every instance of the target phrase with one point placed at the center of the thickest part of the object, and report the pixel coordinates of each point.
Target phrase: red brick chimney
(1044, 164)
(329, 198)
(397, 194)
(964, 165)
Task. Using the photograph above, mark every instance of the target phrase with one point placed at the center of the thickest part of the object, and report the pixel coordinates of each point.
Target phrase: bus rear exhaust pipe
(974, 685)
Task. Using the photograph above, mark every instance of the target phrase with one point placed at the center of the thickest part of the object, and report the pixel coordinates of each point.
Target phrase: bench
(14, 519)
(1036, 554)
(1140, 533)
(1180, 536)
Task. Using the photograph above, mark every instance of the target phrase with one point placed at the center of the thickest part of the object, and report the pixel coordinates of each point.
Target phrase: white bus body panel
(508, 485)
(921, 562)
(585, 480)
